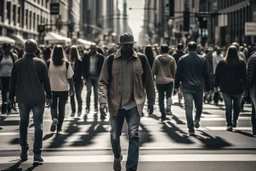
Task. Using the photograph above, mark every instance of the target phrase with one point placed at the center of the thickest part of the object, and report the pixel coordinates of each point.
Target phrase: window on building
(18, 15)
(42, 3)
(14, 15)
(2, 10)
(26, 18)
(9, 11)
(30, 20)
(34, 21)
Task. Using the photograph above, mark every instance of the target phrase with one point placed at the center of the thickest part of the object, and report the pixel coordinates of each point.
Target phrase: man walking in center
(92, 63)
(192, 72)
(164, 68)
(29, 80)
(122, 83)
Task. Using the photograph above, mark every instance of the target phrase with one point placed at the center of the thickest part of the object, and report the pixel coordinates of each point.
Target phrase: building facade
(97, 20)
(238, 12)
(19, 18)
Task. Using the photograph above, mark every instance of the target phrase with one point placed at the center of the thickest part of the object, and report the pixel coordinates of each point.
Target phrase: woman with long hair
(148, 51)
(230, 78)
(76, 64)
(60, 75)
(47, 54)
(7, 59)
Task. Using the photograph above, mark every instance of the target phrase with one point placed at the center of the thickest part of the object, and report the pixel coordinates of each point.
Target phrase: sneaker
(24, 155)
(229, 128)
(161, 121)
(234, 124)
(168, 111)
(117, 166)
(87, 111)
(72, 114)
(59, 131)
(191, 133)
(196, 123)
(38, 159)
(54, 125)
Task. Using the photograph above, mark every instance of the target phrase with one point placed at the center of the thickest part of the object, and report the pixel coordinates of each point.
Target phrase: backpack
(142, 60)
(67, 65)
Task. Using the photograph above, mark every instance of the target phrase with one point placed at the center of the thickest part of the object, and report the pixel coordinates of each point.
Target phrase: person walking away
(251, 79)
(164, 68)
(60, 74)
(92, 64)
(29, 83)
(192, 72)
(215, 59)
(124, 79)
(148, 51)
(77, 67)
(179, 53)
(209, 59)
(7, 60)
(230, 79)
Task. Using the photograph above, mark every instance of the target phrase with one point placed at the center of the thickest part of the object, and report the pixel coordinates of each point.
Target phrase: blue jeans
(189, 97)
(162, 89)
(253, 116)
(38, 111)
(232, 101)
(92, 82)
(133, 120)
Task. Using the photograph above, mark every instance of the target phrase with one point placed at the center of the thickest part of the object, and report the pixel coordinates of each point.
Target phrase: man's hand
(71, 92)
(103, 111)
(48, 103)
(12, 105)
(150, 109)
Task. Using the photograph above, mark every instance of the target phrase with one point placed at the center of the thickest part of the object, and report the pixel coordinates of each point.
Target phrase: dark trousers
(133, 120)
(38, 111)
(5, 92)
(253, 116)
(191, 96)
(162, 89)
(92, 82)
(59, 102)
(232, 102)
(78, 91)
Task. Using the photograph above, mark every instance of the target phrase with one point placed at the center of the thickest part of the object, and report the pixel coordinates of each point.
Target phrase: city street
(84, 143)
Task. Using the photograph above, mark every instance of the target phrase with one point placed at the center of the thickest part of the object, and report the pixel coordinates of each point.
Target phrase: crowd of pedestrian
(122, 78)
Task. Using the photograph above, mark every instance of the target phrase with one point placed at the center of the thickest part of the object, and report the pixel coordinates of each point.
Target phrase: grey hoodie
(164, 67)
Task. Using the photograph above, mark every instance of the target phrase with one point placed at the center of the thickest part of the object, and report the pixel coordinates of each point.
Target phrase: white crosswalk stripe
(143, 158)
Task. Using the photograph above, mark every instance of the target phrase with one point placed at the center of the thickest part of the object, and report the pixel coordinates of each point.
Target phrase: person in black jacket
(77, 66)
(192, 71)
(92, 63)
(29, 82)
(230, 78)
(179, 52)
(251, 79)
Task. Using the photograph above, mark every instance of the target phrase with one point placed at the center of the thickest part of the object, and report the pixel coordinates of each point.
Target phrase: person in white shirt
(216, 58)
(60, 75)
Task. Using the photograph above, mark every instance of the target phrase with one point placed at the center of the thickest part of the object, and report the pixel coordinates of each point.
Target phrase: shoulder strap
(143, 63)
(110, 64)
(67, 65)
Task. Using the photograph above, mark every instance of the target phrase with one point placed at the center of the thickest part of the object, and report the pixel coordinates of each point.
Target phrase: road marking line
(142, 158)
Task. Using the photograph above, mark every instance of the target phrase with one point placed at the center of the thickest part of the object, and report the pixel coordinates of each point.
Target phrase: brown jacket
(114, 98)
(164, 67)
